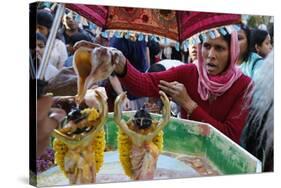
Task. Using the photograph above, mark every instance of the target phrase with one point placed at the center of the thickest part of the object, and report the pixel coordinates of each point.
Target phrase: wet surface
(169, 166)
(200, 164)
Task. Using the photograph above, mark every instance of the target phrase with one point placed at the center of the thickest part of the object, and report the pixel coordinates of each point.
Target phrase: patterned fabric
(161, 22)
(95, 13)
(176, 25)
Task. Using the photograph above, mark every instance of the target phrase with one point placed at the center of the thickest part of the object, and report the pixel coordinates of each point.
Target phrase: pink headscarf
(218, 84)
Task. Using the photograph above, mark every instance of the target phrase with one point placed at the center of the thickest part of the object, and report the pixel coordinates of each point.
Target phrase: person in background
(176, 54)
(136, 53)
(51, 70)
(154, 50)
(76, 37)
(210, 90)
(58, 53)
(261, 42)
(257, 136)
(169, 51)
(70, 27)
(248, 62)
(41, 41)
(192, 53)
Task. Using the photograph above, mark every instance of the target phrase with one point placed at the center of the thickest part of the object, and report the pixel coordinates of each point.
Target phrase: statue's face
(142, 119)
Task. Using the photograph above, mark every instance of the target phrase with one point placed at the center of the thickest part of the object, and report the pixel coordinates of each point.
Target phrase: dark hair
(257, 38)
(176, 54)
(227, 38)
(156, 67)
(44, 18)
(142, 119)
(154, 49)
(78, 36)
(247, 31)
(41, 37)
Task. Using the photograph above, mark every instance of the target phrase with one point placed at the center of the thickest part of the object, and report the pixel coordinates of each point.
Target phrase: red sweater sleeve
(145, 84)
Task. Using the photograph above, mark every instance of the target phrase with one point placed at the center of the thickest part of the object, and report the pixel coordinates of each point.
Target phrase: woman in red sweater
(211, 90)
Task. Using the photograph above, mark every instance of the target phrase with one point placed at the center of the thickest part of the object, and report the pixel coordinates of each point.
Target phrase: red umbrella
(181, 26)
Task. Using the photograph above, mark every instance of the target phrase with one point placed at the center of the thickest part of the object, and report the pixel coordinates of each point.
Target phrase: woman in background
(261, 42)
(59, 52)
(248, 61)
(257, 136)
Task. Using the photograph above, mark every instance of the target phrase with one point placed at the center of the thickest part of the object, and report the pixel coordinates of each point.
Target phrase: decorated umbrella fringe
(193, 40)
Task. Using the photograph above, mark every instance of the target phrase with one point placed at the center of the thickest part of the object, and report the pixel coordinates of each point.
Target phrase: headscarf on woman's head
(217, 85)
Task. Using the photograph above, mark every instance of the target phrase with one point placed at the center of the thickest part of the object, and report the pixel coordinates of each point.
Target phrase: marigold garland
(125, 145)
(98, 144)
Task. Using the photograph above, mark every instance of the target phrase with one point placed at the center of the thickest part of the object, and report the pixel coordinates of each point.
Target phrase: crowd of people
(209, 86)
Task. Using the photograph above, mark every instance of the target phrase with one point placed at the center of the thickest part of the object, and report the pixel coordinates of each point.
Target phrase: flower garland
(98, 144)
(125, 145)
